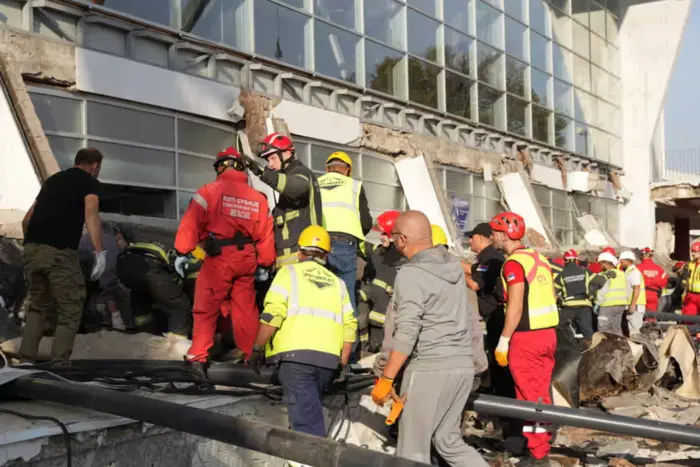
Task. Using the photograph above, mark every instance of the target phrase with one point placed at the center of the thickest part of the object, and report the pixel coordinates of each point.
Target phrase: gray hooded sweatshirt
(433, 314)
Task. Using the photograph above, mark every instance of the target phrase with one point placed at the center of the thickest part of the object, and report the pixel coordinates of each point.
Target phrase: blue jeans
(343, 262)
(303, 387)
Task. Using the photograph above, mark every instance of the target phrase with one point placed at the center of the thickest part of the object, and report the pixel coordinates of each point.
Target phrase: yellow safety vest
(642, 300)
(340, 198)
(311, 309)
(151, 249)
(541, 307)
(693, 280)
(617, 290)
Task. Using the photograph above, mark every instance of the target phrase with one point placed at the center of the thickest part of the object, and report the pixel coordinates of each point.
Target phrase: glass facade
(541, 69)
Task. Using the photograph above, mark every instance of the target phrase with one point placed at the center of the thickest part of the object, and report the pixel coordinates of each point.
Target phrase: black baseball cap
(483, 229)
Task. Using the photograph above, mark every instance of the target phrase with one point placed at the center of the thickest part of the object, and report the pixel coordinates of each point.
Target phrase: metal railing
(682, 165)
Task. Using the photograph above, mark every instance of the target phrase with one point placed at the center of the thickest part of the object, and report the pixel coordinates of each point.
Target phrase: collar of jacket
(233, 175)
(290, 165)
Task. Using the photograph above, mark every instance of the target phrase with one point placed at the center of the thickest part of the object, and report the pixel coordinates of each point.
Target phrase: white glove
(100, 264)
(501, 353)
(118, 322)
(180, 265)
(262, 274)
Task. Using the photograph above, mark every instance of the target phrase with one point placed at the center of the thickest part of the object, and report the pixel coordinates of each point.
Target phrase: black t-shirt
(59, 214)
(486, 272)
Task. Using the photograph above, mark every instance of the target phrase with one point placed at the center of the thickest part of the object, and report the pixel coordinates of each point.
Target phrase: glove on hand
(100, 264)
(252, 165)
(501, 353)
(262, 274)
(596, 309)
(382, 390)
(180, 265)
(257, 358)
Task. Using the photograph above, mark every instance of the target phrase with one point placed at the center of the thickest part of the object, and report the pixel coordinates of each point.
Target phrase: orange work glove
(382, 390)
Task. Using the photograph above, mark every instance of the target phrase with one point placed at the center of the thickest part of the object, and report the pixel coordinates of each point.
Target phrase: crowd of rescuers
(298, 265)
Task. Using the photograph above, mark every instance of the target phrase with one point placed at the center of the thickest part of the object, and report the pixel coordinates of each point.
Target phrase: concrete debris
(664, 239)
(620, 463)
(11, 223)
(39, 59)
(257, 110)
(595, 234)
(621, 448)
(668, 191)
(536, 239)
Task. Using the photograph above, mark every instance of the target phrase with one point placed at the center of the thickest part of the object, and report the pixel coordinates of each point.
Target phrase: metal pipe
(248, 434)
(660, 316)
(593, 420)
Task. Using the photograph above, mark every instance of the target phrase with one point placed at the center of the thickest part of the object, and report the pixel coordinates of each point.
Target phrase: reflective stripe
(534, 429)
(143, 319)
(377, 316)
(286, 259)
(279, 290)
(348, 307)
(200, 200)
(364, 336)
(295, 310)
(281, 182)
(383, 285)
(543, 310)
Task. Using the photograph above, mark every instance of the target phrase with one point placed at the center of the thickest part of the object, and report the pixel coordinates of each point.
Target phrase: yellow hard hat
(199, 253)
(340, 156)
(315, 236)
(439, 237)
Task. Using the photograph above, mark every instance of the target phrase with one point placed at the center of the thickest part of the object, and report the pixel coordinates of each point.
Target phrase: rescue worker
(611, 300)
(635, 290)
(379, 275)
(557, 265)
(346, 217)
(595, 266)
(691, 301)
(145, 269)
(233, 223)
(307, 329)
(655, 279)
(433, 340)
(674, 299)
(299, 203)
(529, 340)
(574, 295)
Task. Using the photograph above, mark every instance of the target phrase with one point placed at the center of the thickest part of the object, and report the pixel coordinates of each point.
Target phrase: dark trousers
(343, 262)
(303, 387)
(581, 317)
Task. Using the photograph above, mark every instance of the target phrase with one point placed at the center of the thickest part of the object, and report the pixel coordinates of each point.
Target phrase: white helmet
(609, 257)
(628, 255)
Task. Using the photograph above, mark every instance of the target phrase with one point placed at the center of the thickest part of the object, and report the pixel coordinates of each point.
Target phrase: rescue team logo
(239, 208)
(331, 183)
(482, 268)
(510, 278)
(320, 279)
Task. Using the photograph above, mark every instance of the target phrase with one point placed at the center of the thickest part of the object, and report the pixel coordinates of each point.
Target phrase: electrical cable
(61, 425)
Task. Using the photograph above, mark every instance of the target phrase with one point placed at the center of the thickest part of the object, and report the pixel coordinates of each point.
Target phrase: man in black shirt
(52, 230)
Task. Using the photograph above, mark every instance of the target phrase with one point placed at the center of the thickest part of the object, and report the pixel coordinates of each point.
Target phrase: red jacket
(224, 207)
(655, 280)
(595, 267)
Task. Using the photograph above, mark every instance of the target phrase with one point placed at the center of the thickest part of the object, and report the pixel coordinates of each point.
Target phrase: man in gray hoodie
(433, 339)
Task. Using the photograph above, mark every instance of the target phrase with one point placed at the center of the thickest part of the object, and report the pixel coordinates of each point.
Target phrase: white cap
(609, 257)
(628, 255)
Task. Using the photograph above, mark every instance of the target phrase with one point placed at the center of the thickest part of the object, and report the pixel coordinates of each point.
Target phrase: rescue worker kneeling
(308, 329)
(145, 269)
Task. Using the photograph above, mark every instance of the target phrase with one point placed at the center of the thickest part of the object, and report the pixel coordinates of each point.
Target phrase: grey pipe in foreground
(672, 317)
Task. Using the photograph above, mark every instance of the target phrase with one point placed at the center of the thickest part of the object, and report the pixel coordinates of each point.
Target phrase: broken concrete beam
(38, 58)
(257, 111)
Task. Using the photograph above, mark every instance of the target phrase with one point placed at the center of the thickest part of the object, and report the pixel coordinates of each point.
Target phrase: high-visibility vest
(340, 198)
(642, 300)
(153, 250)
(540, 309)
(311, 308)
(616, 294)
(693, 280)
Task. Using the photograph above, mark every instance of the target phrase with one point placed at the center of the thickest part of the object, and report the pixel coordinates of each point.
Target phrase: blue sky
(683, 96)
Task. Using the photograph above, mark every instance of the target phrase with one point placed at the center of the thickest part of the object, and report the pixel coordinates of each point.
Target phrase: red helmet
(609, 249)
(510, 223)
(385, 222)
(570, 255)
(647, 251)
(274, 143)
(678, 265)
(695, 247)
(558, 262)
(229, 157)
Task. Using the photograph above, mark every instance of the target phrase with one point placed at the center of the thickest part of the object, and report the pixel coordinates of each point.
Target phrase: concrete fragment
(664, 239)
(257, 110)
(628, 447)
(38, 58)
(11, 223)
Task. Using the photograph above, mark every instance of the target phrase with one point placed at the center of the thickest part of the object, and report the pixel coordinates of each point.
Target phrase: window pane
(457, 14)
(560, 200)
(584, 107)
(279, 33)
(601, 145)
(515, 76)
(379, 170)
(491, 208)
(613, 62)
(488, 63)
(422, 39)
(516, 9)
(109, 121)
(582, 73)
(539, 16)
(563, 5)
(540, 124)
(130, 164)
(458, 181)
(563, 63)
(158, 11)
(195, 171)
(219, 20)
(516, 116)
(489, 27)
(563, 133)
(384, 69)
(11, 13)
(612, 26)
(384, 21)
(138, 201)
(582, 140)
(341, 12)
(295, 3)
(491, 191)
(516, 42)
(383, 197)
(540, 88)
(64, 149)
(597, 18)
(58, 113)
(562, 97)
(458, 90)
(599, 51)
(422, 82)
(203, 139)
(539, 51)
(600, 82)
(561, 28)
(457, 47)
(579, 11)
(490, 106)
(336, 51)
(582, 44)
(428, 6)
(542, 195)
(478, 185)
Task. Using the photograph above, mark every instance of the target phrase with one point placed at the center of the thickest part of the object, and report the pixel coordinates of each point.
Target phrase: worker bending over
(432, 339)
(233, 223)
(691, 302)
(529, 340)
(635, 291)
(299, 203)
(308, 329)
(611, 301)
(573, 286)
(655, 279)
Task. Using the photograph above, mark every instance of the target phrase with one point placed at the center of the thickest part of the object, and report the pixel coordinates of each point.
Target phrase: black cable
(61, 425)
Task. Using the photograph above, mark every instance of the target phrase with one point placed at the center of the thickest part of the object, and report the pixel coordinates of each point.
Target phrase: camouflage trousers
(56, 294)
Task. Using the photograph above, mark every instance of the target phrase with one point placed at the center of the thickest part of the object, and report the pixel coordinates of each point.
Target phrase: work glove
(262, 274)
(501, 353)
(100, 264)
(342, 373)
(180, 265)
(382, 390)
(257, 358)
(596, 309)
(252, 165)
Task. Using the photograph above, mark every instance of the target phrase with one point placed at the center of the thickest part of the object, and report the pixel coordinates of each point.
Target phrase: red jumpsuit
(655, 280)
(224, 207)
